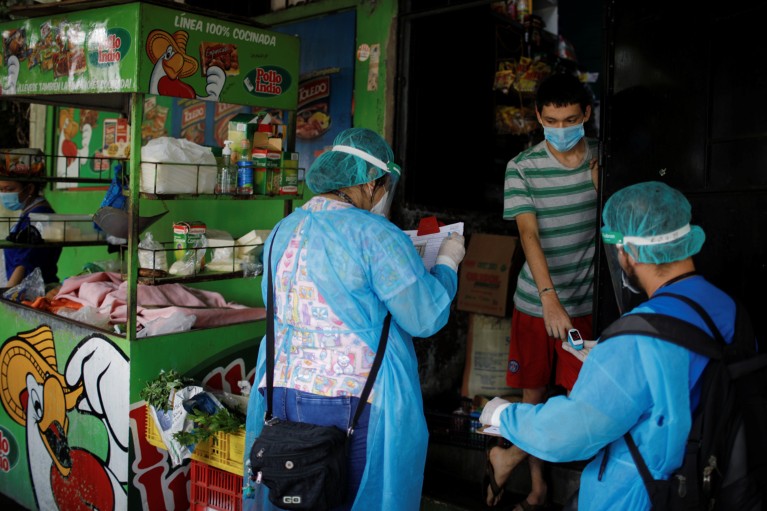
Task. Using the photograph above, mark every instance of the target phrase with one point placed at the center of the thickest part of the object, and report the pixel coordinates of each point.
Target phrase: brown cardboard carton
(485, 283)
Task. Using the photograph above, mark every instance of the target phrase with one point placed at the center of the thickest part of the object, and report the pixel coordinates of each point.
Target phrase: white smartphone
(575, 339)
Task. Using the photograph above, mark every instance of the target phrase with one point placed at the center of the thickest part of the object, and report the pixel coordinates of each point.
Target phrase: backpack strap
(701, 312)
(666, 328)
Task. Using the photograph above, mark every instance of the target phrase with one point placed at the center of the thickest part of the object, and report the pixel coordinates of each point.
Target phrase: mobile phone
(575, 339)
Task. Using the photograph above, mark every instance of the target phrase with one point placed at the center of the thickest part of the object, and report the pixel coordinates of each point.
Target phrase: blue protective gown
(363, 265)
(629, 383)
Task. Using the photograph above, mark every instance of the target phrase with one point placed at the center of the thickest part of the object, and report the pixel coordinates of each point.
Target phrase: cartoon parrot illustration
(36, 395)
(171, 64)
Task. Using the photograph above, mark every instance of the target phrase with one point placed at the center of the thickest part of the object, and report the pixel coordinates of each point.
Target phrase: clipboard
(429, 236)
(490, 431)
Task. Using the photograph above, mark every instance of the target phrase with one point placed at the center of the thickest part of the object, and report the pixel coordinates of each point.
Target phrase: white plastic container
(251, 243)
(61, 227)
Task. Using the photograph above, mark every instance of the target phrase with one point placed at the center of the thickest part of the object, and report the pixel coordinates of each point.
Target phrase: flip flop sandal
(489, 480)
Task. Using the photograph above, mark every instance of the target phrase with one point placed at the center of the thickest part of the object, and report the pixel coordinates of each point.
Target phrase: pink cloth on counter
(107, 292)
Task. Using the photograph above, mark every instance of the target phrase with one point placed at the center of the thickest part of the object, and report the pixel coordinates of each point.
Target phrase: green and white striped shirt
(565, 204)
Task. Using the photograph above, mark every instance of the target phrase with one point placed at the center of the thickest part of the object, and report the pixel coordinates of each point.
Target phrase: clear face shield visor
(388, 181)
(628, 294)
(389, 184)
(625, 297)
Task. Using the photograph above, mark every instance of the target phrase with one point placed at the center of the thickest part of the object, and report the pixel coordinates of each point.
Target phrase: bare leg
(504, 461)
(538, 489)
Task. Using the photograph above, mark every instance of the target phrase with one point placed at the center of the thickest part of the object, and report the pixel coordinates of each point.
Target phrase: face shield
(391, 170)
(628, 294)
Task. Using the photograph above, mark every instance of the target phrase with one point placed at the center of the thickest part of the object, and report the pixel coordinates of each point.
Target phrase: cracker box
(185, 236)
(242, 127)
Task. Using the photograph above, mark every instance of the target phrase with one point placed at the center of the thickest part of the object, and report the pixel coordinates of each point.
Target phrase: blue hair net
(338, 169)
(652, 222)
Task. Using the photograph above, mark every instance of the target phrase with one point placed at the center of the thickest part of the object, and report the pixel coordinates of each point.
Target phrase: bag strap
(372, 375)
(647, 477)
(270, 351)
(269, 333)
(701, 312)
(666, 328)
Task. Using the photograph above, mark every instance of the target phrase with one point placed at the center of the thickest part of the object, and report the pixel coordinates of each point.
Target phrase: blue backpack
(725, 461)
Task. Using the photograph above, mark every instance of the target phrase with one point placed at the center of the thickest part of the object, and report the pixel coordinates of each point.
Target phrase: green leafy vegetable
(208, 425)
(157, 392)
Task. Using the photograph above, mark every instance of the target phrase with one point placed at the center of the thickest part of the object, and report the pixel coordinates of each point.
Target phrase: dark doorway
(684, 104)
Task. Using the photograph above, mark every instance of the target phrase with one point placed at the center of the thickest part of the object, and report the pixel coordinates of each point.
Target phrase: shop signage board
(146, 48)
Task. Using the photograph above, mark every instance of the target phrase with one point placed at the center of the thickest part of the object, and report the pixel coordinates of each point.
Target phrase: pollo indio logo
(267, 81)
(108, 46)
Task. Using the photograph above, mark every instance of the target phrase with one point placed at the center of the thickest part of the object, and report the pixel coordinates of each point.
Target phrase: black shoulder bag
(304, 465)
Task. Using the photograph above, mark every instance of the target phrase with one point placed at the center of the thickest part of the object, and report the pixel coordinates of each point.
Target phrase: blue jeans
(298, 406)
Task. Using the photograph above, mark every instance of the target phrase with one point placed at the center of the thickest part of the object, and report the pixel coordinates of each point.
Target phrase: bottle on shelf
(523, 9)
(226, 178)
(245, 170)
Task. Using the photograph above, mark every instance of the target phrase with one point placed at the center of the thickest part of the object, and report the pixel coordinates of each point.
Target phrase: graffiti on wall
(40, 397)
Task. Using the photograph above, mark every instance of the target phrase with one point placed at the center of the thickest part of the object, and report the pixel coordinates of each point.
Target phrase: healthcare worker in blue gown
(630, 383)
(339, 266)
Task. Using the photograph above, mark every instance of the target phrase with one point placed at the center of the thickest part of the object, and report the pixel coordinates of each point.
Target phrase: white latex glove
(451, 251)
(491, 413)
(582, 353)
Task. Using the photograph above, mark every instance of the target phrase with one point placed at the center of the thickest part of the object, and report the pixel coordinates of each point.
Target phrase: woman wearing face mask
(19, 262)
(338, 269)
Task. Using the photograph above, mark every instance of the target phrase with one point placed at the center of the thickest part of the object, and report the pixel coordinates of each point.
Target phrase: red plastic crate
(213, 488)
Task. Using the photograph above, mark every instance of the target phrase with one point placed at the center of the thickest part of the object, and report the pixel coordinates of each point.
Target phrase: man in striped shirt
(550, 191)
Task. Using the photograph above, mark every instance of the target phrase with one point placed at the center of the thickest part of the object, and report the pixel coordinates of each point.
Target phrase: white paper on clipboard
(428, 244)
(490, 430)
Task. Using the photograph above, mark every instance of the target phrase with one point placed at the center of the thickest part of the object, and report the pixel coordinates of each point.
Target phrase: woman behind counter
(338, 269)
(19, 262)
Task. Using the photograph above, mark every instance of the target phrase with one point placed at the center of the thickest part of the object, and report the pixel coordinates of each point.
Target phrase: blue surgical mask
(564, 139)
(11, 201)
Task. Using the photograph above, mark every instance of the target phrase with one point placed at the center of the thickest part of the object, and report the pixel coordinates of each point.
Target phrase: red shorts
(533, 353)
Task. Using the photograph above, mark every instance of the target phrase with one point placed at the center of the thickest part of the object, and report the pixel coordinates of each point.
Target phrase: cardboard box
(485, 283)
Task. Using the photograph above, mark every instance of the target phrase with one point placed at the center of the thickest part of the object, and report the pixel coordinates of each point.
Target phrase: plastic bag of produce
(151, 254)
(28, 289)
